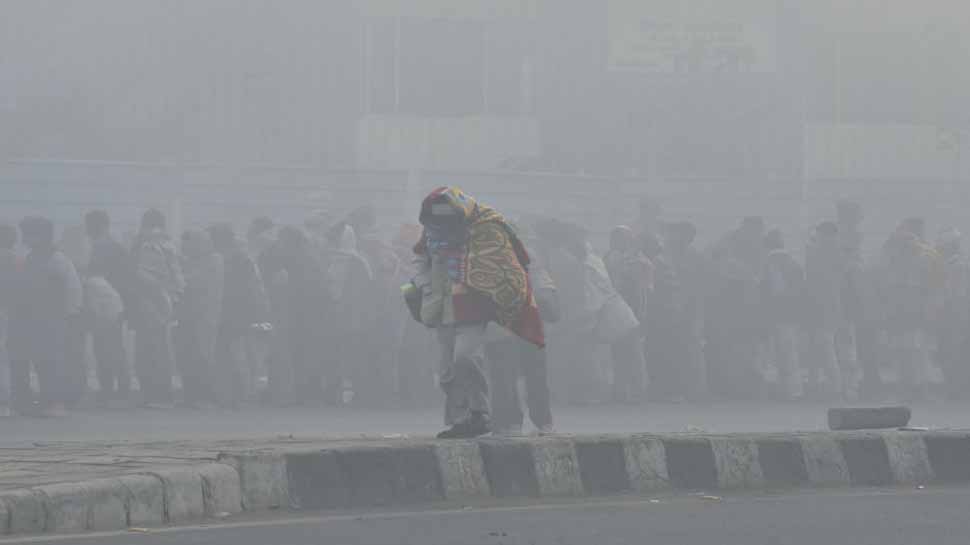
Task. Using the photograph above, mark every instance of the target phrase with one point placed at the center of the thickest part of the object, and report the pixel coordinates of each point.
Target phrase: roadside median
(403, 472)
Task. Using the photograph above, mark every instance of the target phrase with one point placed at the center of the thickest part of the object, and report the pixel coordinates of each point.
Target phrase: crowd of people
(497, 313)
(746, 318)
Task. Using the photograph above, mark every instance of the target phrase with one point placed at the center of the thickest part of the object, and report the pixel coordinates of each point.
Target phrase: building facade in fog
(655, 88)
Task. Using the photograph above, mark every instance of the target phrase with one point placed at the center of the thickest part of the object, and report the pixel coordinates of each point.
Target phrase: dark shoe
(475, 425)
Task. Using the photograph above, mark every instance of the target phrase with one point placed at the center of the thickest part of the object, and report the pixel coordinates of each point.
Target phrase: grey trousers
(835, 354)
(784, 352)
(108, 343)
(630, 377)
(910, 350)
(509, 359)
(462, 371)
(153, 360)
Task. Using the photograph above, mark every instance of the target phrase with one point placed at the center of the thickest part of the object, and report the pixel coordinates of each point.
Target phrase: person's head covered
(826, 231)
(37, 232)
(152, 220)
(292, 238)
(622, 239)
(363, 219)
(222, 235)
(651, 244)
(774, 240)
(317, 225)
(259, 226)
(680, 235)
(446, 208)
(97, 223)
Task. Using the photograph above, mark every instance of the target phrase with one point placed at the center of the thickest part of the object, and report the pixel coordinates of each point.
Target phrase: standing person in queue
(244, 305)
(9, 277)
(782, 289)
(630, 270)
(632, 275)
(300, 288)
(379, 385)
(913, 279)
(824, 281)
(952, 320)
(47, 308)
(661, 320)
(692, 271)
(350, 367)
(260, 235)
(199, 316)
(473, 270)
(159, 283)
(732, 307)
(573, 347)
(108, 287)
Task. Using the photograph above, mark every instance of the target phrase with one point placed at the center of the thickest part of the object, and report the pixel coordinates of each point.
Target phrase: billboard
(693, 36)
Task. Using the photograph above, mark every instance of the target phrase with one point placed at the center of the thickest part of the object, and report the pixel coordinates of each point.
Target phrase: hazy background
(224, 109)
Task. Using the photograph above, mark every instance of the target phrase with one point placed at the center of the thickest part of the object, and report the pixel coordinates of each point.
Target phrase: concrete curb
(167, 496)
(410, 473)
(566, 466)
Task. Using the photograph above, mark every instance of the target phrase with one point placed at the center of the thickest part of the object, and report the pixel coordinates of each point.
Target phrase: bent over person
(472, 269)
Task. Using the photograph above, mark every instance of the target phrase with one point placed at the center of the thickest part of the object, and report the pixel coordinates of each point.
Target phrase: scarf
(492, 261)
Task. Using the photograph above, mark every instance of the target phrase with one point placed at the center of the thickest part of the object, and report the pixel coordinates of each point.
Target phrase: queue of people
(504, 317)
(747, 319)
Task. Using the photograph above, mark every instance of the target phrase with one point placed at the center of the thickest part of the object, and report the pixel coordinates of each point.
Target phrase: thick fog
(767, 95)
(602, 131)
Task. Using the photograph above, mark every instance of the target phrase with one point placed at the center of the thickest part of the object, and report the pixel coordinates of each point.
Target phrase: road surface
(851, 517)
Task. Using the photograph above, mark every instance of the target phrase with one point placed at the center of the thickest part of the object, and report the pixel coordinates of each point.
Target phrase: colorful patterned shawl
(496, 262)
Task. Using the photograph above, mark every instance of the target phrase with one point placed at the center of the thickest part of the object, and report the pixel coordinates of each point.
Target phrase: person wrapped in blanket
(472, 270)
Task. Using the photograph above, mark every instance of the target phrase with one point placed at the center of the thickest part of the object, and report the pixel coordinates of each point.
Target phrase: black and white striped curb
(409, 473)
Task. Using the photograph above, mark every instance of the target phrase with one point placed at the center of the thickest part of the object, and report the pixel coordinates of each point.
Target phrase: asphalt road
(185, 424)
(867, 517)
